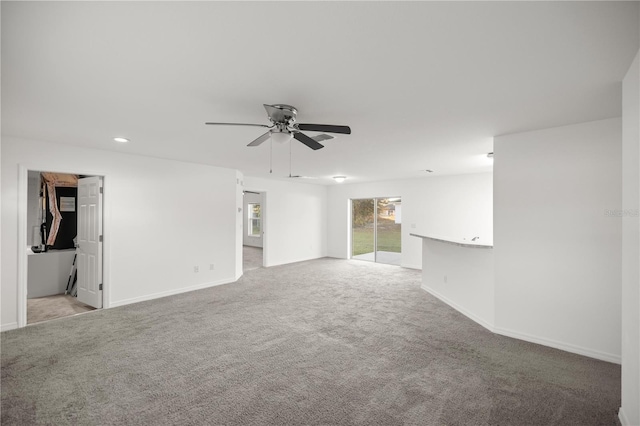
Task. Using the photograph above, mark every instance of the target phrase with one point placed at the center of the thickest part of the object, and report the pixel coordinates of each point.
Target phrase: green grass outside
(389, 238)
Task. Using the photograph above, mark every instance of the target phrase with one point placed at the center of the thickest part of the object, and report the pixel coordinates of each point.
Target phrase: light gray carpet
(324, 342)
(52, 307)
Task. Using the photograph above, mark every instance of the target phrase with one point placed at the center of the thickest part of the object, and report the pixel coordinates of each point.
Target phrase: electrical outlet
(196, 269)
(445, 279)
(212, 266)
(413, 226)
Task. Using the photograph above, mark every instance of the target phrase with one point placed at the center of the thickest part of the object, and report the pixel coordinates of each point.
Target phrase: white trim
(10, 326)
(463, 311)
(170, 292)
(264, 215)
(603, 356)
(297, 261)
(418, 267)
(106, 243)
(22, 245)
(624, 420)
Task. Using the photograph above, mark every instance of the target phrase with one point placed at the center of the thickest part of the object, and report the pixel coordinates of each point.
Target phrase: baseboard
(290, 262)
(567, 347)
(603, 356)
(459, 308)
(169, 293)
(10, 326)
(624, 420)
(418, 267)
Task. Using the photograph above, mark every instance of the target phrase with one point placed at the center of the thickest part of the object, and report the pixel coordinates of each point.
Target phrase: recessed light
(429, 171)
(121, 140)
(339, 179)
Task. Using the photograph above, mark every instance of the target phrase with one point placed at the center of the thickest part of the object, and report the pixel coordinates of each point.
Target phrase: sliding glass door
(388, 230)
(363, 224)
(376, 230)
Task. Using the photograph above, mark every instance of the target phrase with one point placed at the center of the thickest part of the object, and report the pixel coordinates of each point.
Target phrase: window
(255, 226)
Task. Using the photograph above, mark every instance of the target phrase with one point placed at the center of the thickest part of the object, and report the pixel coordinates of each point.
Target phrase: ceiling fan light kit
(284, 127)
(280, 137)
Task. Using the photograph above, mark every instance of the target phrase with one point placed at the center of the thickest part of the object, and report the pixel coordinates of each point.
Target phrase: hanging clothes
(53, 180)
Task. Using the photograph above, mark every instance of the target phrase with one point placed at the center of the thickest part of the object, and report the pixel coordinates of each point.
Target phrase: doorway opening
(376, 230)
(253, 230)
(63, 257)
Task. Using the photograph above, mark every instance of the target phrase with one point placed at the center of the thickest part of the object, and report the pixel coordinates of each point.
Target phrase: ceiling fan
(284, 127)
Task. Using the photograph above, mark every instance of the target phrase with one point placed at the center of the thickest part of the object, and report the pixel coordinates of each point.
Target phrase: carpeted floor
(52, 307)
(324, 342)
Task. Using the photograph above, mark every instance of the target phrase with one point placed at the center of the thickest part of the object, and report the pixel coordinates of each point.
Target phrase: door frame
(84, 293)
(375, 225)
(23, 187)
(245, 219)
(264, 215)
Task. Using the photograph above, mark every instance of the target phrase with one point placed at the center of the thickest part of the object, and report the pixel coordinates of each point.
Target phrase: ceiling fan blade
(238, 124)
(324, 128)
(322, 137)
(261, 139)
(307, 141)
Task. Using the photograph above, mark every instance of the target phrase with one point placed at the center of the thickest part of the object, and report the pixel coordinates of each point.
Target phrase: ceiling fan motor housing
(282, 114)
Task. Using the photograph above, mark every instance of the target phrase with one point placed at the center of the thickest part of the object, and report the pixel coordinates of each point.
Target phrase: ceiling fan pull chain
(270, 156)
(289, 158)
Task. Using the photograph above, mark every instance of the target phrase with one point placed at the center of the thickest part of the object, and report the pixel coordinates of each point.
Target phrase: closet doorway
(376, 229)
(63, 246)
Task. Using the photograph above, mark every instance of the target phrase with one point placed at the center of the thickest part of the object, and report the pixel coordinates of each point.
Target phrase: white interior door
(89, 260)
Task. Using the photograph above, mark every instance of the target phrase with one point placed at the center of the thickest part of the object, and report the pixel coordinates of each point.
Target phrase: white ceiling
(422, 85)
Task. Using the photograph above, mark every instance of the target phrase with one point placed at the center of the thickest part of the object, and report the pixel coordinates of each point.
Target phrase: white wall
(250, 240)
(557, 252)
(161, 218)
(295, 220)
(34, 209)
(630, 410)
(450, 206)
(462, 277)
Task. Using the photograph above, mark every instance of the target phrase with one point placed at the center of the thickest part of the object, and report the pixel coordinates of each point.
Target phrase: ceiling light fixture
(281, 137)
(339, 179)
(121, 140)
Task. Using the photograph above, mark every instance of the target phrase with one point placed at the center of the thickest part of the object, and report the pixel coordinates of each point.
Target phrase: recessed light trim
(120, 140)
(429, 171)
(339, 179)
